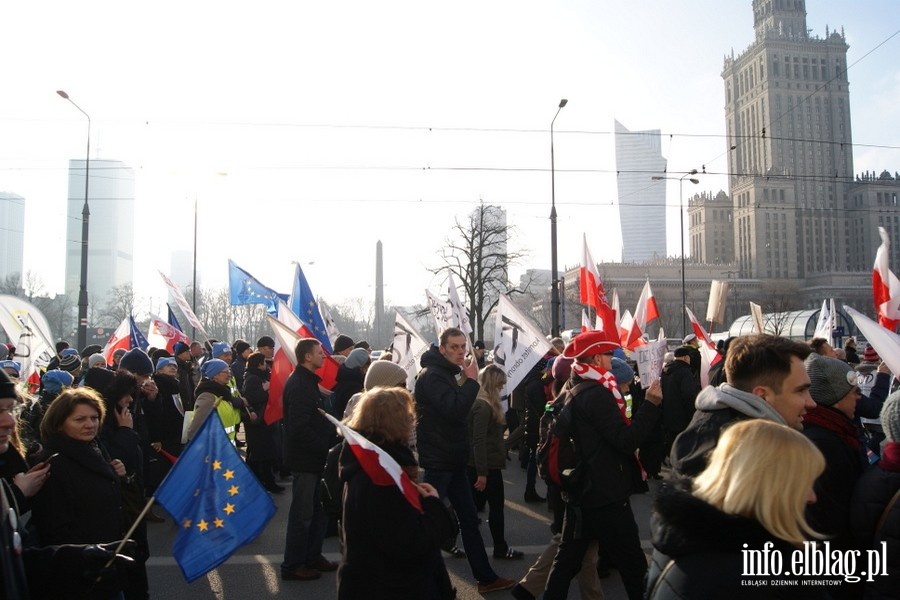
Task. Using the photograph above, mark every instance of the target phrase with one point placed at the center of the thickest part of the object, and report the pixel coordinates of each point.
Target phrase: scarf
(890, 457)
(607, 380)
(834, 421)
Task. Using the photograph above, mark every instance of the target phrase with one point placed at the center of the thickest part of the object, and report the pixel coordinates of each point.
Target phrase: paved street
(253, 571)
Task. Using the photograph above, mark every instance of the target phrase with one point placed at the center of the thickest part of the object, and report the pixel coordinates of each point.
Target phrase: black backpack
(558, 460)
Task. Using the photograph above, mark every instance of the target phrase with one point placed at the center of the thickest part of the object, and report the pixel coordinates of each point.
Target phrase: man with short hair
(266, 346)
(307, 438)
(606, 441)
(821, 347)
(442, 438)
(766, 380)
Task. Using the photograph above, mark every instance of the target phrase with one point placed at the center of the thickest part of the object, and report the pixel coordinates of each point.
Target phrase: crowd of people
(790, 444)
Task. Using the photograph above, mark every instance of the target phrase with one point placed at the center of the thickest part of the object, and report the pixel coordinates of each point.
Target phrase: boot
(531, 495)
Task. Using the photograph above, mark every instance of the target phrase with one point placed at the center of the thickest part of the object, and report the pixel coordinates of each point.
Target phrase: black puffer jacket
(164, 419)
(679, 390)
(442, 408)
(347, 382)
(698, 552)
(873, 493)
(599, 426)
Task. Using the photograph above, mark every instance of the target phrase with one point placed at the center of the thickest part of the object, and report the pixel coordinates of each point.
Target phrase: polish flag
(585, 321)
(590, 284)
(121, 338)
(380, 466)
(625, 327)
(885, 286)
(709, 356)
(615, 308)
(646, 309)
(287, 334)
(163, 335)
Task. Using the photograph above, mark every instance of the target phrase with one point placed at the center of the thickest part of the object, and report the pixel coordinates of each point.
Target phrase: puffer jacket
(442, 410)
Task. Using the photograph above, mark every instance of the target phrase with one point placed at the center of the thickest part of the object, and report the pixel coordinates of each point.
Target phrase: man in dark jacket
(442, 408)
(766, 380)
(187, 383)
(606, 441)
(307, 437)
(679, 389)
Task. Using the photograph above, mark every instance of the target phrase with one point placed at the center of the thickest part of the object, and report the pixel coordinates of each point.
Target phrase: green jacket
(486, 437)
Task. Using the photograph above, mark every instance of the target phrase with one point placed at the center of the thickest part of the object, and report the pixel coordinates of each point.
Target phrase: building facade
(787, 104)
(12, 239)
(711, 228)
(642, 207)
(111, 229)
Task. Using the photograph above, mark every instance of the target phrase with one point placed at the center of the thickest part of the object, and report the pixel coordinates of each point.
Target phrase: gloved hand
(103, 569)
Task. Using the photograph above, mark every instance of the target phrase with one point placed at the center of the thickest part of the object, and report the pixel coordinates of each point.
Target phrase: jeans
(306, 524)
(454, 486)
(614, 526)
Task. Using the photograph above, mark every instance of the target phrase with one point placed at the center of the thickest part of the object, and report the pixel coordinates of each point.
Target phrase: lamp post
(85, 228)
(554, 274)
(695, 181)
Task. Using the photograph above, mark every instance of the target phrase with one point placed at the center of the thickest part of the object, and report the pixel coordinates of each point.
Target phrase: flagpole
(130, 531)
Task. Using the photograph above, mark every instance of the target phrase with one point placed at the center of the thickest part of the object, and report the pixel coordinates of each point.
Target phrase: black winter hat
(137, 361)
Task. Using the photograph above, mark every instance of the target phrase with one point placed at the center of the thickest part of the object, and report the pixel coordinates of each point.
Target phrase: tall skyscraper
(787, 104)
(642, 207)
(12, 235)
(111, 236)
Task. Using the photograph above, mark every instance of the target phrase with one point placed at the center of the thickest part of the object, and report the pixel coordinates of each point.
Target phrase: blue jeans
(454, 486)
(306, 524)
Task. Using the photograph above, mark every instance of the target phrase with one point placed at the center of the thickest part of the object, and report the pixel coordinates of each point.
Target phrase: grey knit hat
(356, 359)
(890, 417)
(830, 379)
(385, 373)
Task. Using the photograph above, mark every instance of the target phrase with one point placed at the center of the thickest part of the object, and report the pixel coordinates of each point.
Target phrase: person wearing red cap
(602, 431)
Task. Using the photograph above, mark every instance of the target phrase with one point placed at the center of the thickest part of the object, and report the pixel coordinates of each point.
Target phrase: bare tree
(778, 299)
(11, 285)
(476, 254)
(119, 306)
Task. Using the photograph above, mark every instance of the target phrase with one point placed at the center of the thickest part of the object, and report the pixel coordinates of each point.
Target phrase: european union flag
(137, 338)
(216, 500)
(244, 288)
(304, 305)
(172, 320)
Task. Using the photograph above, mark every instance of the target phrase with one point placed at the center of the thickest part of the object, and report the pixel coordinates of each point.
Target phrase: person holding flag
(391, 541)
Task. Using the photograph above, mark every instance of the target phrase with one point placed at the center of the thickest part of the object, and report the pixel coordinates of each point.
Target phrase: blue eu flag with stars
(304, 305)
(215, 499)
(244, 288)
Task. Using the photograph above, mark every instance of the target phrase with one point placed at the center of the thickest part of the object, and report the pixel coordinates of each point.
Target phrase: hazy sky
(342, 123)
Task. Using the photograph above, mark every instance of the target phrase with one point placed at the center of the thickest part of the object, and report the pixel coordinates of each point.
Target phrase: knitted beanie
(830, 379)
(890, 417)
(386, 374)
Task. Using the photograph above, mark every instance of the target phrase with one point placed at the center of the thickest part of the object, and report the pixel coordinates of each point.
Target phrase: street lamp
(681, 231)
(554, 275)
(85, 227)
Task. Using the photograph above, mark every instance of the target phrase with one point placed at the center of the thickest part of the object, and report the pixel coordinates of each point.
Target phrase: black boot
(531, 495)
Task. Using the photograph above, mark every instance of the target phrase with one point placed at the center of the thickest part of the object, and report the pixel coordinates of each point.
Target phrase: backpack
(558, 460)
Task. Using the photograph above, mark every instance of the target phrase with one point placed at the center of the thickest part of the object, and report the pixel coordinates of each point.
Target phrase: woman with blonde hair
(488, 455)
(390, 549)
(753, 492)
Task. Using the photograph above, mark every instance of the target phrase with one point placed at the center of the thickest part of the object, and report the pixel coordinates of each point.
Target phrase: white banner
(460, 312)
(756, 312)
(650, 361)
(27, 328)
(718, 294)
(885, 342)
(441, 311)
(518, 343)
(408, 348)
(183, 305)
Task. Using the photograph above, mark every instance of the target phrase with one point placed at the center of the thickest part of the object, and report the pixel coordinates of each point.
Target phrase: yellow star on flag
(233, 490)
(228, 474)
(202, 525)
(186, 524)
(219, 522)
(229, 508)
(217, 464)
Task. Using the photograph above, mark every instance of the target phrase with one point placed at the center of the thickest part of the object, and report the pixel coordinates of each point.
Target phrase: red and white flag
(121, 338)
(288, 331)
(885, 286)
(163, 335)
(380, 466)
(885, 341)
(590, 285)
(708, 354)
(646, 309)
(585, 321)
